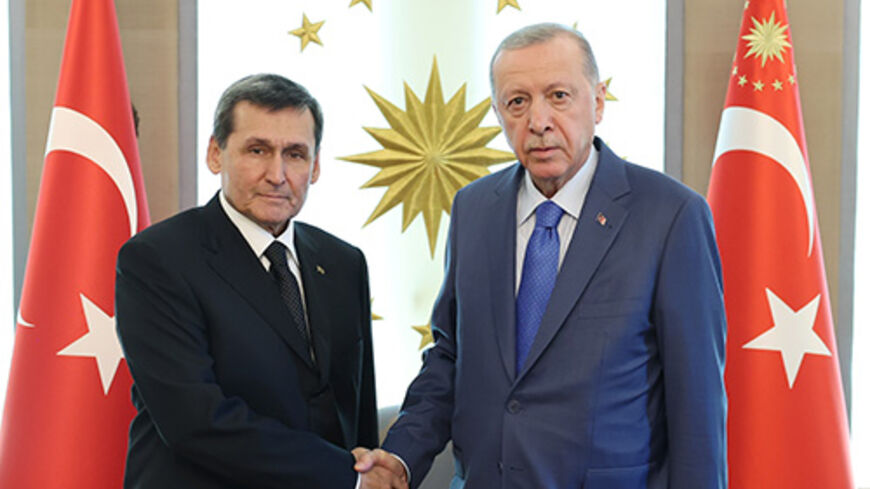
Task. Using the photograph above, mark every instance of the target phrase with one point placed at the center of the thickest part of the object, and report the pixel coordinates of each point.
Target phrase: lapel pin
(601, 219)
(320, 270)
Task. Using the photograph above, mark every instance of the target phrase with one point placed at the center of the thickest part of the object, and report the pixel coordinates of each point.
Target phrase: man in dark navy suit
(248, 335)
(580, 328)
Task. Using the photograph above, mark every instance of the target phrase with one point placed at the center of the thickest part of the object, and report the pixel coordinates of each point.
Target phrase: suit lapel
(592, 238)
(230, 256)
(317, 292)
(501, 248)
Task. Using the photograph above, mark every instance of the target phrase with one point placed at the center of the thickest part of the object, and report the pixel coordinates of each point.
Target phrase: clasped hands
(379, 469)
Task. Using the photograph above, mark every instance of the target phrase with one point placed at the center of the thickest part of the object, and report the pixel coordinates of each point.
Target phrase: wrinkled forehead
(561, 48)
(552, 59)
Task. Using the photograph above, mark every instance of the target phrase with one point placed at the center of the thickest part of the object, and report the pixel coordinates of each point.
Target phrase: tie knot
(547, 214)
(277, 254)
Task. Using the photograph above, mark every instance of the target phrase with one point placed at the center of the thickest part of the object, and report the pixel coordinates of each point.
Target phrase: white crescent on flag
(75, 132)
(22, 322)
(742, 128)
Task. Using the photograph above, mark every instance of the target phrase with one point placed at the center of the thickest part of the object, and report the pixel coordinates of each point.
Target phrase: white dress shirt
(570, 198)
(259, 239)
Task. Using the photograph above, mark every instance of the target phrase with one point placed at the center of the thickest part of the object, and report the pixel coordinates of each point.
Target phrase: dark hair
(538, 33)
(270, 91)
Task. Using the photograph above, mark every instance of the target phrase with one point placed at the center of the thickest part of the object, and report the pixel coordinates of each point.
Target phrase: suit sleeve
(423, 427)
(164, 333)
(690, 318)
(368, 416)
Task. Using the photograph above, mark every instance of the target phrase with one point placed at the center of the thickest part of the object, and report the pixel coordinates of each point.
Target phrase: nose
(275, 170)
(539, 117)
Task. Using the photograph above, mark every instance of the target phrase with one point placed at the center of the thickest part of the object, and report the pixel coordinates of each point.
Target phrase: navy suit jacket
(623, 387)
(226, 391)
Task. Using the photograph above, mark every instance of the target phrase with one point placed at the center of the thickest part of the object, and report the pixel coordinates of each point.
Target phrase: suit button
(514, 406)
(500, 467)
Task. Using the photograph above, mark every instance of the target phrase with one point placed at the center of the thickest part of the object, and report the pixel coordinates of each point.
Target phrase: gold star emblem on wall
(432, 150)
(426, 335)
(308, 32)
(375, 317)
(767, 39)
(504, 3)
(367, 3)
(607, 94)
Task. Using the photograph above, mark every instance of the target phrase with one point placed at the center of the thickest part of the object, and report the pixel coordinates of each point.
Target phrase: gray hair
(539, 33)
(271, 92)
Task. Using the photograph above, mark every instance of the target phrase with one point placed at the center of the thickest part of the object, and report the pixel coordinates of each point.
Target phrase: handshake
(379, 469)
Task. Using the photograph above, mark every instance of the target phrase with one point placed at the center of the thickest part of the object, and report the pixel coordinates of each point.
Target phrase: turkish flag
(68, 405)
(786, 418)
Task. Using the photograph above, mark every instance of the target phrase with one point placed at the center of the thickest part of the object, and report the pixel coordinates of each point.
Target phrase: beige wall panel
(44, 34)
(149, 35)
(711, 30)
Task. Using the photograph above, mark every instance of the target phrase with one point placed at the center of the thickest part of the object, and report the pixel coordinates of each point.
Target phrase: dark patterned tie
(540, 266)
(277, 255)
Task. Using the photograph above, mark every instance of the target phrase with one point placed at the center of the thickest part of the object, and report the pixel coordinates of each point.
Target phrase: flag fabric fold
(68, 406)
(787, 422)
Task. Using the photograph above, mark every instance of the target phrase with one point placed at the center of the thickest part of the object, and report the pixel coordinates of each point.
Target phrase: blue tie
(540, 266)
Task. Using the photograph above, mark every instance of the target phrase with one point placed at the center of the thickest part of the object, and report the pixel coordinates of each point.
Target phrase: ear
(600, 97)
(213, 156)
(315, 169)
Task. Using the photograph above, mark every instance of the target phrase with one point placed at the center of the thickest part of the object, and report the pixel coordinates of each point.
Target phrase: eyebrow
(266, 142)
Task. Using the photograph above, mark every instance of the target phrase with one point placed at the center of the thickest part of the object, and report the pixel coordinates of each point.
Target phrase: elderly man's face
(267, 164)
(548, 109)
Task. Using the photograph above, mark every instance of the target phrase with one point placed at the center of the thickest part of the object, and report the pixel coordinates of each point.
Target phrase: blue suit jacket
(623, 386)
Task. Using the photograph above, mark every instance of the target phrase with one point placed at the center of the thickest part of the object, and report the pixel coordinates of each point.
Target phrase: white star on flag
(100, 342)
(792, 334)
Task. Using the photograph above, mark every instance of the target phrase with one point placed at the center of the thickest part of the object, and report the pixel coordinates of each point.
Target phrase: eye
(516, 103)
(561, 95)
(296, 154)
(257, 150)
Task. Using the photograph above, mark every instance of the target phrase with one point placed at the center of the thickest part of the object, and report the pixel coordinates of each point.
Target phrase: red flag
(787, 420)
(68, 404)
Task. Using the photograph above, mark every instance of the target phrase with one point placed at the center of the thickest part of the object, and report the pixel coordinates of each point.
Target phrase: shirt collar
(258, 238)
(570, 197)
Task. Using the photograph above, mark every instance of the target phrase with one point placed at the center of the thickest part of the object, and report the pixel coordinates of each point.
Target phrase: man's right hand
(378, 469)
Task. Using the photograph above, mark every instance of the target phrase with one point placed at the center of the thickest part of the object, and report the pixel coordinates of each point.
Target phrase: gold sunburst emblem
(432, 150)
(767, 39)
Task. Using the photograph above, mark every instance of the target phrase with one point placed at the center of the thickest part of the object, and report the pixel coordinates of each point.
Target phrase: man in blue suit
(580, 328)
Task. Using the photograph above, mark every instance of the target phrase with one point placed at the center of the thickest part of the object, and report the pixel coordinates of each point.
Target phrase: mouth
(542, 151)
(275, 197)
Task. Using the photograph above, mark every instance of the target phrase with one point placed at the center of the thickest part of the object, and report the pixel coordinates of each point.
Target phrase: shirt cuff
(407, 470)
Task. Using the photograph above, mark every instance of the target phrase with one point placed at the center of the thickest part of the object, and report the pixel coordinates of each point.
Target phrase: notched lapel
(501, 247)
(315, 280)
(232, 259)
